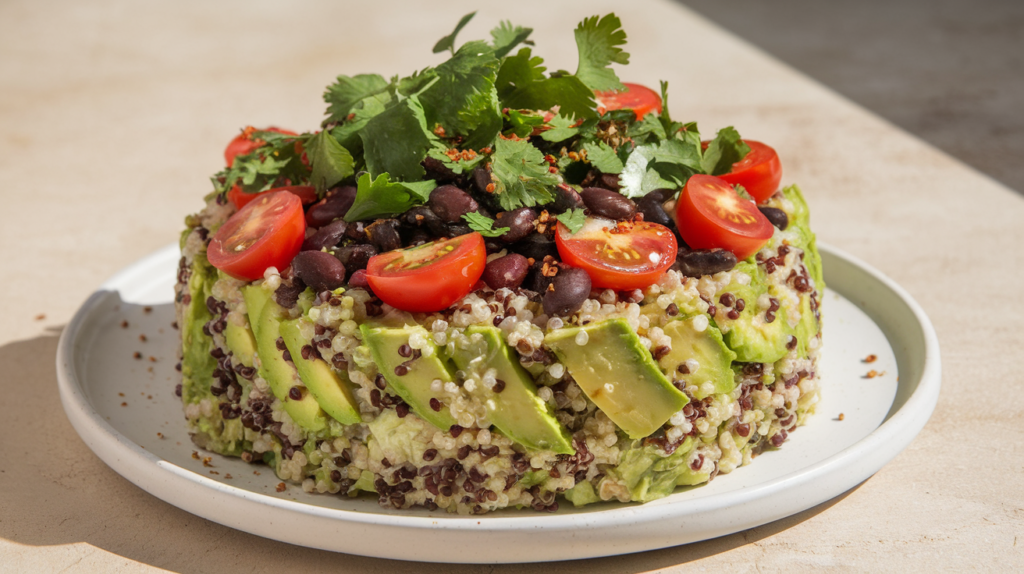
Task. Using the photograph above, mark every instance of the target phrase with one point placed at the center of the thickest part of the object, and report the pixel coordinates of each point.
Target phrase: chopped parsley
(573, 219)
(484, 225)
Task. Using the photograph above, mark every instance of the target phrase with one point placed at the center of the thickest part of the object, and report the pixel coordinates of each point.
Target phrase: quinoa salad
(489, 285)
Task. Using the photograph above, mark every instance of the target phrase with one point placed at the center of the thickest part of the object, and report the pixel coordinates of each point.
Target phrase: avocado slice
(707, 347)
(618, 373)
(333, 392)
(197, 365)
(649, 474)
(516, 411)
(241, 342)
(800, 218)
(414, 385)
(753, 339)
(265, 316)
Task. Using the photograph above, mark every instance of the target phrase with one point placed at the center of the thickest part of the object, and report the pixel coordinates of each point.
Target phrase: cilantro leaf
(598, 41)
(726, 149)
(520, 174)
(562, 128)
(330, 161)
(484, 225)
(460, 99)
(603, 157)
(347, 91)
(684, 153)
(573, 219)
(507, 36)
(348, 132)
(396, 140)
(567, 92)
(524, 122)
(265, 166)
(448, 42)
(648, 129)
(637, 178)
(457, 161)
(381, 197)
(518, 71)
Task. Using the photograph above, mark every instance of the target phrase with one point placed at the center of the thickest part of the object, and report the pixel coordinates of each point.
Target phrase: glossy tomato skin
(759, 172)
(641, 99)
(711, 214)
(621, 256)
(267, 232)
(428, 277)
(244, 143)
(306, 193)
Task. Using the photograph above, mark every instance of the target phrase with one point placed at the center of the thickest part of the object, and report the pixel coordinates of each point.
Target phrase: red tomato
(621, 256)
(238, 197)
(428, 277)
(711, 214)
(641, 99)
(244, 144)
(267, 232)
(759, 172)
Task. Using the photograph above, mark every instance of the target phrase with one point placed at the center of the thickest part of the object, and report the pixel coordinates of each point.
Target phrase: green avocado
(800, 219)
(516, 411)
(714, 359)
(241, 342)
(417, 375)
(648, 474)
(265, 315)
(333, 392)
(751, 336)
(197, 365)
(618, 373)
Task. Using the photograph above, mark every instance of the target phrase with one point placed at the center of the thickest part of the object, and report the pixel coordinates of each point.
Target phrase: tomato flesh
(244, 143)
(267, 232)
(306, 193)
(759, 172)
(641, 99)
(711, 214)
(428, 277)
(622, 256)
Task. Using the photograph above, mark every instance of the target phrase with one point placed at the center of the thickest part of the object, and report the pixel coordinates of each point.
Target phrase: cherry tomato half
(759, 172)
(245, 144)
(428, 277)
(306, 193)
(711, 214)
(621, 256)
(267, 232)
(641, 99)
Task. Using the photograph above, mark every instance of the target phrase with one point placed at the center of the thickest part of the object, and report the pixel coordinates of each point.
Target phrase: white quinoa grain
(700, 323)
(556, 370)
(582, 338)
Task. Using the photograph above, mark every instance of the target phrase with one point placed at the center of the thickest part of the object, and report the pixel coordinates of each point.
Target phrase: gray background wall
(948, 71)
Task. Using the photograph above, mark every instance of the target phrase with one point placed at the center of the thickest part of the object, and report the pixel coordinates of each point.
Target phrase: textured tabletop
(113, 116)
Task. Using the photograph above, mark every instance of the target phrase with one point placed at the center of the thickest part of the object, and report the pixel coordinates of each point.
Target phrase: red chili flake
(281, 487)
(40, 316)
(871, 358)
(142, 337)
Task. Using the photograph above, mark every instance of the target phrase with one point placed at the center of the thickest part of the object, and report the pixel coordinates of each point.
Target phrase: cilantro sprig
(493, 114)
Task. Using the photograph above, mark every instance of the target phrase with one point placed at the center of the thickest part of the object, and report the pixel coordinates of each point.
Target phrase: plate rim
(892, 436)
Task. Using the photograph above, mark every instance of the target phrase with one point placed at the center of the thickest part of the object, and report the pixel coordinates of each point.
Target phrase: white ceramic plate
(125, 410)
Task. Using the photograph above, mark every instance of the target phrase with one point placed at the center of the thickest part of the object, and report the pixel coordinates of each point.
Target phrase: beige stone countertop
(114, 114)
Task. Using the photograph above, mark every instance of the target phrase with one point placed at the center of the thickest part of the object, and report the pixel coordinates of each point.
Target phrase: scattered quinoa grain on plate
(484, 286)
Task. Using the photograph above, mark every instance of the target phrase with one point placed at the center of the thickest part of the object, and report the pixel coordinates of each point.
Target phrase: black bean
(457, 229)
(358, 279)
(566, 198)
(422, 216)
(437, 170)
(337, 203)
(608, 181)
(569, 289)
(356, 232)
(607, 203)
(661, 195)
(518, 221)
(704, 262)
(383, 234)
(776, 216)
(321, 271)
(508, 271)
(536, 246)
(354, 257)
(650, 206)
(326, 237)
(451, 203)
(481, 179)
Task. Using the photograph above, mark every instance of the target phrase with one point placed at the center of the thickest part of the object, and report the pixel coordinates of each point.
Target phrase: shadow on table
(56, 492)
